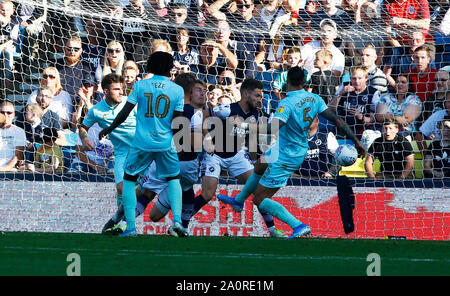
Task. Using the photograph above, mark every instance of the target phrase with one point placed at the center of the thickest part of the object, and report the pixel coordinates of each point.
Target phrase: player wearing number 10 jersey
(158, 101)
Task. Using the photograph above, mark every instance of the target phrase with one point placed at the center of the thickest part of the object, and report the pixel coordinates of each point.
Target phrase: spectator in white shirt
(12, 140)
(328, 35)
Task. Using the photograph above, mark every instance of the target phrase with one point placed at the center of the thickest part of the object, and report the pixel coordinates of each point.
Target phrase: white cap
(328, 21)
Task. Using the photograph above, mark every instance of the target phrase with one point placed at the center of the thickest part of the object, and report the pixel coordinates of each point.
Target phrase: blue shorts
(278, 173)
(167, 163)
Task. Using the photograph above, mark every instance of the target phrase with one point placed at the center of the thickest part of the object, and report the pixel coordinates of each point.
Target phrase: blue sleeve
(283, 112)
(179, 105)
(133, 96)
(89, 120)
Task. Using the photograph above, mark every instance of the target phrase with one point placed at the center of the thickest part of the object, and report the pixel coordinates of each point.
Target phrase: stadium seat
(357, 170)
(418, 160)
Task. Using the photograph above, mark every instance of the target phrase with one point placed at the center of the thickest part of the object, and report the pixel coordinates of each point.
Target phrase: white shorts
(188, 177)
(211, 165)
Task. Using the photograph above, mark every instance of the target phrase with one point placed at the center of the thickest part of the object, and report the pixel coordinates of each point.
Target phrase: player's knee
(257, 200)
(130, 177)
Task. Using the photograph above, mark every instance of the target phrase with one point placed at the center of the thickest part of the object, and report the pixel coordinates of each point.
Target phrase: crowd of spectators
(372, 61)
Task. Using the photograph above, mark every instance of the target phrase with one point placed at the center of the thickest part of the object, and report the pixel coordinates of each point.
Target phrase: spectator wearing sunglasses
(74, 68)
(12, 140)
(114, 59)
(51, 79)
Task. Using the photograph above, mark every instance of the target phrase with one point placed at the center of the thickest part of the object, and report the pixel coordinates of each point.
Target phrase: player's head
(112, 85)
(252, 93)
(390, 129)
(198, 93)
(296, 78)
(186, 81)
(160, 63)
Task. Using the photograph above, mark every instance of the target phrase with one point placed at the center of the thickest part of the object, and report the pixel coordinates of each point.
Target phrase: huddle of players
(204, 156)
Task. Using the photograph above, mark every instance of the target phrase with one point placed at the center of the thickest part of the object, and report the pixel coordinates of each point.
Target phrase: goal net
(376, 64)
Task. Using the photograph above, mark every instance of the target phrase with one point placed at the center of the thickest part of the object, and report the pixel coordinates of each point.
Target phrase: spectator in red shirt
(422, 76)
(401, 17)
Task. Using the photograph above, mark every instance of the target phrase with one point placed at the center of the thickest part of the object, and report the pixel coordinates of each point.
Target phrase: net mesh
(222, 43)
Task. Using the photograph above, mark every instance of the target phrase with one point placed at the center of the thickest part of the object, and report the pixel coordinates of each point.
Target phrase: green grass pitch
(46, 254)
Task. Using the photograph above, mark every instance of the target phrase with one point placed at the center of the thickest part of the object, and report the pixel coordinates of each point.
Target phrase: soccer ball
(346, 155)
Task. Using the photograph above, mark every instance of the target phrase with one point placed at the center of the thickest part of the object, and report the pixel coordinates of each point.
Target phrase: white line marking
(159, 253)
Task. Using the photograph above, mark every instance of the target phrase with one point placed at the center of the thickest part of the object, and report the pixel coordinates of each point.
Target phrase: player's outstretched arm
(121, 117)
(343, 127)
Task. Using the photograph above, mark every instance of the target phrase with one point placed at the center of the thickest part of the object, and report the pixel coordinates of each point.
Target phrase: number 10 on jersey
(156, 111)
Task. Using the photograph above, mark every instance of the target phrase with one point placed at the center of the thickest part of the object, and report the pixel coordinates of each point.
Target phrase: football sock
(199, 202)
(142, 202)
(118, 215)
(249, 188)
(187, 210)
(279, 211)
(119, 198)
(268, 218)
(129, 203)
(175, 198)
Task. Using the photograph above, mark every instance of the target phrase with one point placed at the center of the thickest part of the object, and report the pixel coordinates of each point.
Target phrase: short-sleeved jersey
(321, 148)
(297, 111)
(104, 115)
(195, 116)
(156, 98)
(236, 135)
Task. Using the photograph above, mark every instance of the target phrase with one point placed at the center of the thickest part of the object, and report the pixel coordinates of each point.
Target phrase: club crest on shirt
(411, 10)
(280, 110)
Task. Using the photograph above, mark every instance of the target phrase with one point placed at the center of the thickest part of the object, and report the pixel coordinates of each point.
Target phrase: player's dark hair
(250, 84)
(160, 63)
(186, 81)
(110, 79)
(296, 76)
